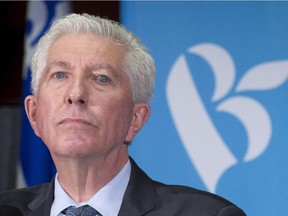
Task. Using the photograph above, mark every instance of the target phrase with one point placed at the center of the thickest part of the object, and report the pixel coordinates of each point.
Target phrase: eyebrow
(62, 64)
(92, 67)
(96, 67)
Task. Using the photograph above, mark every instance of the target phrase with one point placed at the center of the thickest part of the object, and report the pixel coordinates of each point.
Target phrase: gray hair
(138, 63)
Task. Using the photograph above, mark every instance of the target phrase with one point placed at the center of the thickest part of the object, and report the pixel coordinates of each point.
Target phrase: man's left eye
(103, 79)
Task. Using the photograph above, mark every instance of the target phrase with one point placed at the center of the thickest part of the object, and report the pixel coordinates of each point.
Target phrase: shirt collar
(107, 200)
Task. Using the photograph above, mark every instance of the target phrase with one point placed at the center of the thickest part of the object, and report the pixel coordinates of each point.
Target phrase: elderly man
(92, 81)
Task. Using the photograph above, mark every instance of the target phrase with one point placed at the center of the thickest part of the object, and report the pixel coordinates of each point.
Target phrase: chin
(73, 146)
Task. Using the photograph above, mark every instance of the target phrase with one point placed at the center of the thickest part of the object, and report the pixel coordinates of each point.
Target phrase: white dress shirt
(106, 201)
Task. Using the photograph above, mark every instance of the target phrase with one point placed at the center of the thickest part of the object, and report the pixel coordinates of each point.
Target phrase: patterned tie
(85, 210)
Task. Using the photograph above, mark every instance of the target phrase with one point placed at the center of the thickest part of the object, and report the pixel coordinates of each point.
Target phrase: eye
(103, 79)
(59, 75)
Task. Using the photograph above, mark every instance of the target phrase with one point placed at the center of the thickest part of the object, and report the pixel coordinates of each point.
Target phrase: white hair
(138, 63)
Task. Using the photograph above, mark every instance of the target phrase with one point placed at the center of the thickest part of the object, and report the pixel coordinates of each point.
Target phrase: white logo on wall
(203, 143)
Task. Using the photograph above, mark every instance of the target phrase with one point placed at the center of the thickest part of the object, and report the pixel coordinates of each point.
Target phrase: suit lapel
(139, 197)
(41, 205)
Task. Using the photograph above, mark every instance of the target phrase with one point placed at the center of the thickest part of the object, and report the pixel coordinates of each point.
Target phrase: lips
(75, 120)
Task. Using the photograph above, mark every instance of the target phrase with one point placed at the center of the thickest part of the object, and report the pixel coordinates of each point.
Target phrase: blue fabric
(81, 211)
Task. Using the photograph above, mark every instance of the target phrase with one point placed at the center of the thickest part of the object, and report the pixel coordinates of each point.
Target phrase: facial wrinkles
(112, 104)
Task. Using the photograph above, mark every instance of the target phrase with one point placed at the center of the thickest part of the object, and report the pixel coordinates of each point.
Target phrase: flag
(36, 163)
(219, 114)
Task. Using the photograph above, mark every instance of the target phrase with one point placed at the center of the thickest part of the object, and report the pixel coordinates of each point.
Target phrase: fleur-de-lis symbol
(200, 137)
(36, 24)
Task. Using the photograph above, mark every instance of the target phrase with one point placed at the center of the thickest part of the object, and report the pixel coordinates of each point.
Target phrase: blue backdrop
(220, 111)
(36, 163)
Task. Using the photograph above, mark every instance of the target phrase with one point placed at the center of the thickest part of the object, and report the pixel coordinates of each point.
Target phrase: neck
(81, 178)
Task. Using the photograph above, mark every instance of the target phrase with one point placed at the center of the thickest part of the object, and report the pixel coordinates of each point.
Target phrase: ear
(30, 104)
(141, 113)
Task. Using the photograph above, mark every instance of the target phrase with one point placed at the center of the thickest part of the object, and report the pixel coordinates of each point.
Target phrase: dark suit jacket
(143, 196)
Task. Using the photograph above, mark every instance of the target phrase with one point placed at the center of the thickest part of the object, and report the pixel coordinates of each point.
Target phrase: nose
(77, 93)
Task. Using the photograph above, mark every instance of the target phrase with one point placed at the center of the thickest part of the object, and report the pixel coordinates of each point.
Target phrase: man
(92, 81)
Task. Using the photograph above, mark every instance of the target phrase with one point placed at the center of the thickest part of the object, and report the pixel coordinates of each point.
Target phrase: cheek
(122, 116)
(43, 120)
(116, 112)
(121, 107)
(40, 122)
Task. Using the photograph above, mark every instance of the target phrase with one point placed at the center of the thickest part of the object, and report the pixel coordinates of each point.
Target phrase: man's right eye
(59, 75)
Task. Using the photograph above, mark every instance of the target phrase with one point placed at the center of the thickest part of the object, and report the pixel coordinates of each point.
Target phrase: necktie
(85, 210)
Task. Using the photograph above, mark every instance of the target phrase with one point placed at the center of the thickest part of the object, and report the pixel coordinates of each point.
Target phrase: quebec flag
(36, 163)
(219, 117)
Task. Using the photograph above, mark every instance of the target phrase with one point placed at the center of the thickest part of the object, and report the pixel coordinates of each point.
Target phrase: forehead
(83, 48)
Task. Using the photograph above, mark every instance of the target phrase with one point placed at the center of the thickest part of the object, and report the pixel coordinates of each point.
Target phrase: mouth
(75, 121)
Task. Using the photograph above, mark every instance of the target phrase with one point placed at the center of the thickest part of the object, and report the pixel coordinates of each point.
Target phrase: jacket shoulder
(161, 199)
(21, 197)
(190, 199)
(186, 191)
